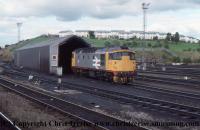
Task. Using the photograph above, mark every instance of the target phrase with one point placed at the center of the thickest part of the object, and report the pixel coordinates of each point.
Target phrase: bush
(134, 44)
(166, 46)
(187, 60)
(149, 45)
(125, 45)
(107, 44)
(157, 45)
(198, 49)
(116, 43)
(176, 59)
(129, 44)
(7, 56)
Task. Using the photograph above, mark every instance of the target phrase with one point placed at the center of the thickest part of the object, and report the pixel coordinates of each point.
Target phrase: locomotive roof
(87, 50)
(99, 50)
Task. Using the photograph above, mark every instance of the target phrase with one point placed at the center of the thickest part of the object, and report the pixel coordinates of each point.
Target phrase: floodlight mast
(145, 6)
(19, 25)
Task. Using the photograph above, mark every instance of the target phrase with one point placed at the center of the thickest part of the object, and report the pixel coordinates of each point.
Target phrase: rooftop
(52, 41)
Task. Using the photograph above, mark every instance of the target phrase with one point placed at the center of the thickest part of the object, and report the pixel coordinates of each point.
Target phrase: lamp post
(19, 25)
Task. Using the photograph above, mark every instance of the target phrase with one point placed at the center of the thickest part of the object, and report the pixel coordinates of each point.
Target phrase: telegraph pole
(19, 25)
(145, 6)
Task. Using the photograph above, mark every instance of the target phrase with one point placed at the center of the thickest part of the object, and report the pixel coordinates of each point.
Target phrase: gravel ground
(107, 106)
(21, 110)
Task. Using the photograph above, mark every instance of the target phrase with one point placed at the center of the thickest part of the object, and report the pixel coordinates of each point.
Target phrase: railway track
(192, 67)
(190, 71)
(169, 81)
(82, 113)
(193, 75)
(7, 124)
(150, 88)
(175, 109)
(182, 82)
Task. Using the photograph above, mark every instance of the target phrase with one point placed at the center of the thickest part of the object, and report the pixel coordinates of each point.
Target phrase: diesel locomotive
(116, 64)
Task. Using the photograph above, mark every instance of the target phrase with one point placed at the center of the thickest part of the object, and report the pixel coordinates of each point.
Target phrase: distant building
(82, 33)
(102, 34)
(188, 39)
(162, 35)
(137, 34)
(121, 34)
(65, 33)
(125, 35)
(115, 33)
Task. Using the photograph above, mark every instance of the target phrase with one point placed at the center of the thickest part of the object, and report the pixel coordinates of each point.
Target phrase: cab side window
(132, 56)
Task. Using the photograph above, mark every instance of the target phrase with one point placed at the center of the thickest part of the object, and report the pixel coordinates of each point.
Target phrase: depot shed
(48, 55)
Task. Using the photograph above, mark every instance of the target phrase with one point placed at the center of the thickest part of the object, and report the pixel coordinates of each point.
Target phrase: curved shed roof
(52, 41)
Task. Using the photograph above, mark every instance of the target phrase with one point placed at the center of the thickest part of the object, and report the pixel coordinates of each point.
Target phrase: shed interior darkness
(65, 52)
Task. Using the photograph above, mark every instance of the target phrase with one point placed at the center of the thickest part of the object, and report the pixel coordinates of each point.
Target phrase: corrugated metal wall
(45, 56)
(33, 58)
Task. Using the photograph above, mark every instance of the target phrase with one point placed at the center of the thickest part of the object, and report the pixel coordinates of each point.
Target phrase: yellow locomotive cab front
(122, 64)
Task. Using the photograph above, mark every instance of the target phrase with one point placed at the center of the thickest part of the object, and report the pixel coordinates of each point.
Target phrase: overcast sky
(51, 16)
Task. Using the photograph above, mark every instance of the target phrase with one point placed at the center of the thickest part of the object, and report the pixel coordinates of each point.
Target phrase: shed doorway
(65, 52)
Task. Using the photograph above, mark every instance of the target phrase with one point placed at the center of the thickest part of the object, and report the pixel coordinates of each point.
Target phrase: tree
(91, 34)
(173, 38)
(168, 37)
(133, 38)
(176, 37)
(7, 45)
(155, 38)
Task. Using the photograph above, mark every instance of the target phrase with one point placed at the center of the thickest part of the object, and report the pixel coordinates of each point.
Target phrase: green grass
(101, 42)
(96, 42)
(28, 42)
(179, 47)
(176, 47)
